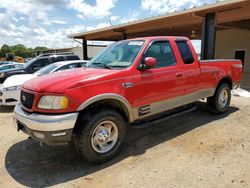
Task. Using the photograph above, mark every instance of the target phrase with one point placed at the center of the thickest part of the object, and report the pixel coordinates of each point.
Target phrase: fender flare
(113, 96)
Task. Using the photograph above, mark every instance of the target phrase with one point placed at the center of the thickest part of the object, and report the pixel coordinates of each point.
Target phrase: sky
(49, 22)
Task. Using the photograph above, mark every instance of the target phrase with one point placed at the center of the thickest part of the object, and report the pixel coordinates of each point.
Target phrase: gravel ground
(195, 150)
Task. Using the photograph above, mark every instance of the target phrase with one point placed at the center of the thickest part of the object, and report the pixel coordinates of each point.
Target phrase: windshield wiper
(102, 64)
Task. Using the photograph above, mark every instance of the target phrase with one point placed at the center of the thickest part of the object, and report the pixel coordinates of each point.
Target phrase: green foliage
(4, 50)
(20, 50)
(40, 48)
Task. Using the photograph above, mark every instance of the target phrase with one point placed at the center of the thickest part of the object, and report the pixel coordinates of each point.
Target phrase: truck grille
(27, 99)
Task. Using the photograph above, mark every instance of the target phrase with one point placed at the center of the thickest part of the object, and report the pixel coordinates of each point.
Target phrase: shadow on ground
(35, 166)
(6, 109)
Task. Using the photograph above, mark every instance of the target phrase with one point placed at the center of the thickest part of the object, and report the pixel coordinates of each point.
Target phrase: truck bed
(220, 68)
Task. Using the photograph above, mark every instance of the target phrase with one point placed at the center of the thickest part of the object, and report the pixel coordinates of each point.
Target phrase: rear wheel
(219, 103)
(101, 136)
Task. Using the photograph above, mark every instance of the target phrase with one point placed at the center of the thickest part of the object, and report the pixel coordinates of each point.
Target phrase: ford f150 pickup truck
(130, 81)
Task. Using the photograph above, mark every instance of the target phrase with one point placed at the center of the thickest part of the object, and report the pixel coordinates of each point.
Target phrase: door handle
(179, 75)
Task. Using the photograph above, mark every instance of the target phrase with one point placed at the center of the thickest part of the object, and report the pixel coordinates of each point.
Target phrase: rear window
(185, 51)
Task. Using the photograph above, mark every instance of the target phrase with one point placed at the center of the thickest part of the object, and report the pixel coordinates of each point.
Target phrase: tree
(4, 50)
(20, 50)
(40, 48)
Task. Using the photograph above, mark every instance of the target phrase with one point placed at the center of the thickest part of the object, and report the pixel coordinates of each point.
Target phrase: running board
(143, 123)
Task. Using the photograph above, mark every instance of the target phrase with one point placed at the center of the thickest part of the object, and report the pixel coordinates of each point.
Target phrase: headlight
(12, 88)
(53, 102)
(2, 75)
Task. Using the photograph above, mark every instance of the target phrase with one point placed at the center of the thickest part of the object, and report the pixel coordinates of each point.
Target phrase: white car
(10, 90)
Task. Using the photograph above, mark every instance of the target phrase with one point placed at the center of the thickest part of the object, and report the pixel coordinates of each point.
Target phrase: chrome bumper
(49, 129)
(40, 122)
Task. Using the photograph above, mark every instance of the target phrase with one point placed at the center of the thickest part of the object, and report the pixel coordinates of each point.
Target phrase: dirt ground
(195, 150)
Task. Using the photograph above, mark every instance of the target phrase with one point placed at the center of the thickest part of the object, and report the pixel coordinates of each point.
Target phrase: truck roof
(161, 37)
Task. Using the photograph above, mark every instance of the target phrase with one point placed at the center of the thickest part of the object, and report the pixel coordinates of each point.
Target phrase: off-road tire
(88, 123)
(213, 102)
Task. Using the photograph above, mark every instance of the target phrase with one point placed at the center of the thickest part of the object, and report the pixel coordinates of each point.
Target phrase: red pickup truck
(130, 81)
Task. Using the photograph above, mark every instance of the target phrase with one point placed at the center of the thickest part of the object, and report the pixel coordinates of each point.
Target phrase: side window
(7, 67)
(185, 51)
(79, 65)
(72, 57)
(40, 63)
(63, 68)
(71, 66)
(162, 52)
(57, 58)
(18, 66)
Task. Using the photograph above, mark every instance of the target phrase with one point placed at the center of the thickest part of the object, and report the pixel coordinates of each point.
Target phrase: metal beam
(208, 36)
(85, 49)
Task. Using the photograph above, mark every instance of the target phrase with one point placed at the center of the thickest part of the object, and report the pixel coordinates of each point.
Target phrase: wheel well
(227, 80)
(107, 103)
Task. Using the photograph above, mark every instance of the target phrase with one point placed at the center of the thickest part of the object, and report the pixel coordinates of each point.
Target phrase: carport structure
(210, 23)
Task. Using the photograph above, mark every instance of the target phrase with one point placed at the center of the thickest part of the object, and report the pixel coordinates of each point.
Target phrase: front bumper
(49, 129)
(9, 98)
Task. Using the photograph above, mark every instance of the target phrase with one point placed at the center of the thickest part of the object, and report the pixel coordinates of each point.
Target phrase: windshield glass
(117, 55)
(46, 70)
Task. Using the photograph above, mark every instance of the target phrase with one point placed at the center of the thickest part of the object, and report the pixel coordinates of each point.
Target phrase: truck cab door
(191, 74)
(159, 88)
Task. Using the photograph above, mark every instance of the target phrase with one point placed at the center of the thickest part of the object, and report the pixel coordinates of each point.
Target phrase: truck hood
(17, 80)
(60, 81)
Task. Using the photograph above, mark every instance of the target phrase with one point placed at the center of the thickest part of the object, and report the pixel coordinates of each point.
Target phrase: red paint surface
(149, 86)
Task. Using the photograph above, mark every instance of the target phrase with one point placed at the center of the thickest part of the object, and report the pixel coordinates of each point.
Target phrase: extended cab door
(191, 74)
(161, 87)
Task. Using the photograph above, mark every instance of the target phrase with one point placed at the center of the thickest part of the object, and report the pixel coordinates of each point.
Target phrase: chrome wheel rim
(104, 136)
(223, 98)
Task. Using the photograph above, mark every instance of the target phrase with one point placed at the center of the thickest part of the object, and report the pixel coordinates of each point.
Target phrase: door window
(72, 57)
(65, 67)
(40, 63)
(185, 51)
(162, 52)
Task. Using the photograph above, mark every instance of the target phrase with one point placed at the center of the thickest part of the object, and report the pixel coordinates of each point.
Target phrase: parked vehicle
(5, 62)
(131, 82)
(10, 90)
(27, 60)
(38, 63)
(10, 66)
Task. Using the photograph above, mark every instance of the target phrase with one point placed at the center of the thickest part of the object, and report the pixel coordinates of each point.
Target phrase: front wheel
(219, 103)
(101, 136)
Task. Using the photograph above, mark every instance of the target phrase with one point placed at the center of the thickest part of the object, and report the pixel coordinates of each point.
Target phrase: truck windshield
(118, 55)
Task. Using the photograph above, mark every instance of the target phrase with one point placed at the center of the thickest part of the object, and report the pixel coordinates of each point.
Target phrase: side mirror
(148, 63)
